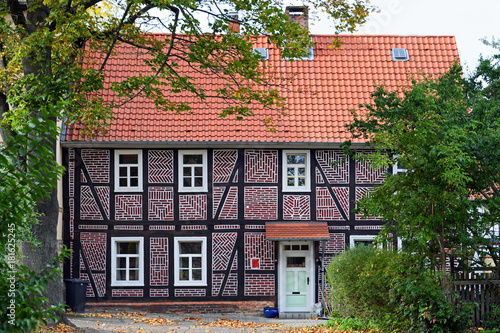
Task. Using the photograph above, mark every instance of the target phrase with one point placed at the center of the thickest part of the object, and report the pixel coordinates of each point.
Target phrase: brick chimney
(298, 14)
(234, 24)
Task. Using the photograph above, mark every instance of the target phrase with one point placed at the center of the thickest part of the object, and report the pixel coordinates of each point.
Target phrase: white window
(367, 240)
(296, 171)
(398, 168)
(128, 170)
(190, 261)
(127, 261)
(193, 171)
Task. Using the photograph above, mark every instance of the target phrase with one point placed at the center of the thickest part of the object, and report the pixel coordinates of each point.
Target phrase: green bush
(23, 307)
(392, 289)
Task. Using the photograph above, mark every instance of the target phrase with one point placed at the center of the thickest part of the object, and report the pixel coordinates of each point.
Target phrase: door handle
(307, 281)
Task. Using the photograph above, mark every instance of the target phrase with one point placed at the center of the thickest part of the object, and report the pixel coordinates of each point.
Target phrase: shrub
(394, 289)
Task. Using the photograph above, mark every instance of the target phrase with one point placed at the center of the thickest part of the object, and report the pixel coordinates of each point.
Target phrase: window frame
(128, 188)
(177, 256)
(307, 165)
(114, 255)
(354, 238)
(204, 165)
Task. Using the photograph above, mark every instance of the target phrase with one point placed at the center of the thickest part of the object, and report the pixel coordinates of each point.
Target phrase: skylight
(263, 52)
(400, 55)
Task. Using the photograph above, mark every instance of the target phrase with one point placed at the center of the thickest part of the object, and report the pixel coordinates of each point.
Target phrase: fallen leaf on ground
(224, 322)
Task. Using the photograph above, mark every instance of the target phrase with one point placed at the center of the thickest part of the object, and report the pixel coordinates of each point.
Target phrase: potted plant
(270, 312)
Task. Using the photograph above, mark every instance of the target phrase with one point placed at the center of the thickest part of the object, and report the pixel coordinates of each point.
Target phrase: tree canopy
(443, 132)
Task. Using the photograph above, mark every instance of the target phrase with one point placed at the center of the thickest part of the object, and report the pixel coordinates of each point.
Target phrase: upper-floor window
(193, 171)
(127, 262)
(128, 170)
(190, 261)
(296, 171)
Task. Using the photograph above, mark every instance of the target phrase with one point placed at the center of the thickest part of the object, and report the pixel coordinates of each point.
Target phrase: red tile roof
(318, 100)
(297, 230)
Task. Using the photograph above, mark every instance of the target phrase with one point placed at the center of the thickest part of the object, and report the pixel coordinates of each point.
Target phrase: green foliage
(23, 307)
(391, 291)
(492, 318)
(354, 324)
(449, 153)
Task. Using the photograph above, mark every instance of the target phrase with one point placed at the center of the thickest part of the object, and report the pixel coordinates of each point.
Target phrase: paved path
(123, 321)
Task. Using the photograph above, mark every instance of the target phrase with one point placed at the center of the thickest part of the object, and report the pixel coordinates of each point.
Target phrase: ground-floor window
(358, 240)
(190, 261)
(127, 261)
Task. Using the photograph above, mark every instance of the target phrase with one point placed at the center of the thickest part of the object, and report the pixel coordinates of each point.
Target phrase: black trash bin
(76, 292)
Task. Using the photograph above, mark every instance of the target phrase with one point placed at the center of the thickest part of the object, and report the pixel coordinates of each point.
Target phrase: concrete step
(297, 315)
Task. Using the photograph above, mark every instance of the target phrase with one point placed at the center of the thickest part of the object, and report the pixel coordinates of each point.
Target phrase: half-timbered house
(189, 211)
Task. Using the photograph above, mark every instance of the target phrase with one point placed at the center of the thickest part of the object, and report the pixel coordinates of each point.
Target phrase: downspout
(323, 291)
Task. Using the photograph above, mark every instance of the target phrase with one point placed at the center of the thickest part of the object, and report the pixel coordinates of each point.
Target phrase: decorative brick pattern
(261, 166)
(326, 209)
(158, 292)
(342, 194)
(259, 285)
(368, 227)
(161, 227)
(222, 247)
(160, 203)
(103, 195)
(319, 178)
(230, 206)
(362, 192)
(193, 207)
(100, 283)
(94, 247)
(190, 293)
(255, 226)
(231, 287)
(92, 226)
(97, 164)
(217, 283)
(88, 205)
(72, 218)
(336, 244)
(128, 207)
(234, 266)
(83, 179)
(224, 163)
(128, 227)
(160, 166)
(339, 227)
(296, 207)
(71, 172)
(256, 246)
(194, 227)
(365, 174)
(261, 203)
(335, 165)
(226, 226)
(127, 293)
(159, 261)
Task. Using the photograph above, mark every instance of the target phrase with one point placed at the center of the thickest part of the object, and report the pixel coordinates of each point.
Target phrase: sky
(469, 21)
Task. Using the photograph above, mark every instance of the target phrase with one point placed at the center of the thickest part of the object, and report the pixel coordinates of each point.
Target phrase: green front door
(296, 282)
(296, 276)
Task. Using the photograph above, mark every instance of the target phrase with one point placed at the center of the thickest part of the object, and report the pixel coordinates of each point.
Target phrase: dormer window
(400, 55)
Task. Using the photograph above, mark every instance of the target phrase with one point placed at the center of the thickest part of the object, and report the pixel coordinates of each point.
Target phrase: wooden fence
(482, 288)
